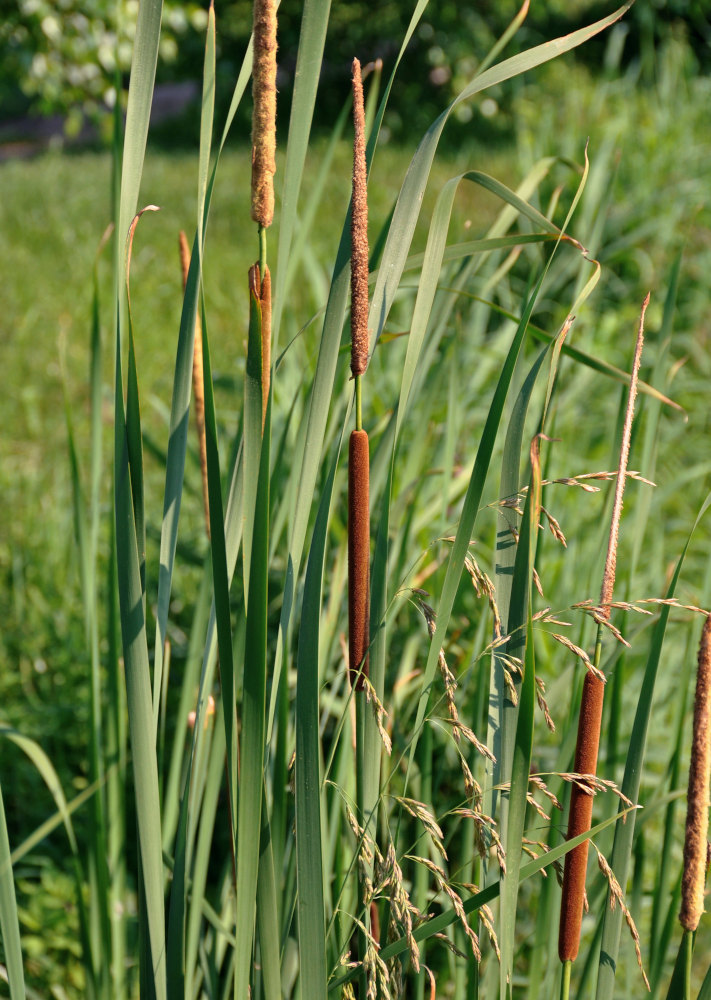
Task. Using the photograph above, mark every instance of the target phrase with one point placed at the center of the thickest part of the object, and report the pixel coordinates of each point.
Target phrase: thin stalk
(358, 404)
(565, 980)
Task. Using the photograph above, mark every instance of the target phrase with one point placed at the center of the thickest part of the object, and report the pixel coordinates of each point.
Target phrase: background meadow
(638, 103)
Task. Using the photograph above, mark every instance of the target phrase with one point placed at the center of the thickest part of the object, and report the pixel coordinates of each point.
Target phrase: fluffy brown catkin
(697, 810)
(358, 555)
(576, 861)
(198, 387)
(359, 234)
(264, 114)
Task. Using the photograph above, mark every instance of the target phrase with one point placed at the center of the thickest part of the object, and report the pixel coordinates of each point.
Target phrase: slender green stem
(598, 647)
(565, 981)
(358, 403)
(262, 250)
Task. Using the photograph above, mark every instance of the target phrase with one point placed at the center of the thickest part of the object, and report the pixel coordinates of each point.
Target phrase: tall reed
(590, 717)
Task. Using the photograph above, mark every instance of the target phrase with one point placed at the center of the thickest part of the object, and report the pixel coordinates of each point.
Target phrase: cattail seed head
(358, 556)
(198, 384)
(576, 861)
(697, 814)
(359, 234)
(264, 114)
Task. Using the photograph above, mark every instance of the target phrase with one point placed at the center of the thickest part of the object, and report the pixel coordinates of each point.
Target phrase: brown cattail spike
(358, 555)
(264, 115)
(576, 861)
(697, 810)
(359, 234)
(608, 579)
(198, 386)
(266, 303)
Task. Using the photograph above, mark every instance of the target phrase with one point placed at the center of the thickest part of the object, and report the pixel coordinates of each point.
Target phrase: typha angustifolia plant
(359, 483)
(590, 715)
(698, 801)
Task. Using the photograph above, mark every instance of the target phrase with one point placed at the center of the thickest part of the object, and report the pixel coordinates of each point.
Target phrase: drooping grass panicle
(697, 810)
(590, 718)
(264, 115)
(198, 386)
(608, 579)
(359, 234)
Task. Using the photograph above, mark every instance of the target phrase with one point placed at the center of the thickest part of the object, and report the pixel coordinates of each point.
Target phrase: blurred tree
(62, 55)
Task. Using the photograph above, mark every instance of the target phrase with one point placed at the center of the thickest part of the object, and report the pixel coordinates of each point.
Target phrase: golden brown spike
(264, 114)
(697, 810)
(608, 579)
(358, 555)
(576, 861)
(266, 303)
(198, 386)
(359, 234)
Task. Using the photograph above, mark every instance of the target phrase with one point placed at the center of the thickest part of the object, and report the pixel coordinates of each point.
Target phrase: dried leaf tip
(608, 579)
(359, 234)
(198, 382)
(264, 114)
(697, 815)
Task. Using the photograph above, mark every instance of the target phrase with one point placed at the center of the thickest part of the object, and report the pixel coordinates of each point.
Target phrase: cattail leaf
(705, 991)
(624, 834)
(182, 380)
(203, 849)
(267, 915)
(309, 58)
(309, 848)
(128, 507)
(680, 983)
(517, 742)
(9, 921)
(138, 689)
(140, 97)
(506, 550)
(253, 718)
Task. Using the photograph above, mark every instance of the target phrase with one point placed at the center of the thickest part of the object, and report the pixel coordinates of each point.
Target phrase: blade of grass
(309, 850)
(515, 815)
(9, 921)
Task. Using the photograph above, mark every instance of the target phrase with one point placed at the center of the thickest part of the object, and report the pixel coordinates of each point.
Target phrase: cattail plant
(198, 386)
(264, 165)
(358, 453)
(590, 718)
